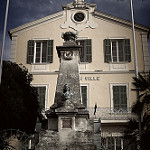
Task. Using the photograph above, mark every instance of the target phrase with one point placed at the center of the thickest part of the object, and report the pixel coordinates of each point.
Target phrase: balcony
(107, 113)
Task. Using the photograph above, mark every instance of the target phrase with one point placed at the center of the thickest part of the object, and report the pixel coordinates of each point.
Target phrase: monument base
(66, 139)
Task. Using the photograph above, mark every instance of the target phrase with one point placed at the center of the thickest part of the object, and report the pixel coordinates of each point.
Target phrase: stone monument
(69, 126)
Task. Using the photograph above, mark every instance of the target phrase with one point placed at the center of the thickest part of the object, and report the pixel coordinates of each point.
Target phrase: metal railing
(108, 113)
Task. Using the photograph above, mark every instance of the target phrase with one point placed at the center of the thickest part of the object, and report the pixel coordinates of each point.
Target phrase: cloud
(24, 11)
(51, 2)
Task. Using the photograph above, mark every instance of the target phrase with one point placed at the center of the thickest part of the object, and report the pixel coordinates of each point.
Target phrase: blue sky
(24, 11)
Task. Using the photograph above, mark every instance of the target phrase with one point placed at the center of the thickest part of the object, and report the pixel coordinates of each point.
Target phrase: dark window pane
(84, 95)
(118, 143)
(110, 143)
(120, 50)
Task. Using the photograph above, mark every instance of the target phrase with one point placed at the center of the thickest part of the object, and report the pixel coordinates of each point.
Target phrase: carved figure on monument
(66, 92)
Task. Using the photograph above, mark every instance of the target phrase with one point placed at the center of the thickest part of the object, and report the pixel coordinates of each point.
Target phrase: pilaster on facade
(13, 48)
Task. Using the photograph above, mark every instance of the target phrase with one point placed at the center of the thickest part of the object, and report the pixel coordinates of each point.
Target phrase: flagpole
(134, 41)
(136, 74)
(3, 41)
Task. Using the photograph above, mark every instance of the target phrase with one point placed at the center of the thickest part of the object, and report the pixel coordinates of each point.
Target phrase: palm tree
(142, 83)
(141, 108)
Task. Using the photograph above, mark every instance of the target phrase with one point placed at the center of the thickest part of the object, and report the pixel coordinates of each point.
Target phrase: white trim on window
(116, 38)
(46, 92)
(117, 50)
(34, 52)
(111, 94)
(82, 38)
(40, 39)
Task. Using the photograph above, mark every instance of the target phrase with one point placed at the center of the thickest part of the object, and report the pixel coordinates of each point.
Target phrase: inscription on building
(90, 78)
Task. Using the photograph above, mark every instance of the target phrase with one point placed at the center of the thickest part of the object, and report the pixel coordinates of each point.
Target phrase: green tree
(141, 108)
(18, 99)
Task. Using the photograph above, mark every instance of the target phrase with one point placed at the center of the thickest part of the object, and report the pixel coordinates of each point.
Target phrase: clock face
(79, 16)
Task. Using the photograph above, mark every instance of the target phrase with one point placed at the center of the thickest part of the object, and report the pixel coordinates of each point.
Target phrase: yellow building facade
(106, 61)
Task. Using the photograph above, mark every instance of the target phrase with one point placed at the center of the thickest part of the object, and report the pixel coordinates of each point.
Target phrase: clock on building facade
(78, 18)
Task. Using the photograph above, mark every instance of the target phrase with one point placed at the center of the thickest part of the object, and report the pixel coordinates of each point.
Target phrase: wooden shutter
(119, 98)
(127, 50)
(88, 50)
(84, 95)
(50, 51)
(107, 50)
(41, 98)
(30, 51)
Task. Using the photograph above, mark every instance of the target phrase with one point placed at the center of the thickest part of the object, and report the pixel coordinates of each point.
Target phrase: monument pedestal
(69, 126)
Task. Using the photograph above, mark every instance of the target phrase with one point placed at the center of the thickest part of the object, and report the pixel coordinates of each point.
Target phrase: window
(84, 95)
(117, 50)
(41, 96)
(113, 143)
(119, 98)
(86, 50)
(40, 51)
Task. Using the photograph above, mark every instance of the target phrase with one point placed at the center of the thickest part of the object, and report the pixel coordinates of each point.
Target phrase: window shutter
(84, 95)
(41, 96)
(127, 50)
(50, 51)
(120, 98)
(30, 51)
(107, 50)
(88, 50)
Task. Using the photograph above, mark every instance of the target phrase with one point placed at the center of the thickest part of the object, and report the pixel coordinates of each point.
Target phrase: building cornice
(36, 22)
(120, 21)
(89, 72)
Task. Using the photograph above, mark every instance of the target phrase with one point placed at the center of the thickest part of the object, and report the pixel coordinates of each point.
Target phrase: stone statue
(69, 36)
(66, 92)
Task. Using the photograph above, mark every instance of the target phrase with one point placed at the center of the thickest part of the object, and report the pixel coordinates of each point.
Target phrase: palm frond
(141, 95)
(137, 107)
(146, 99)
(142, 82)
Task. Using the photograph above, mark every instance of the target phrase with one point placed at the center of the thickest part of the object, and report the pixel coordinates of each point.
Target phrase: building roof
(96, 14)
